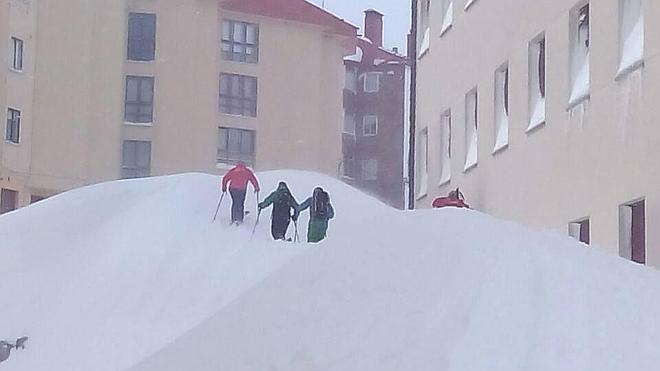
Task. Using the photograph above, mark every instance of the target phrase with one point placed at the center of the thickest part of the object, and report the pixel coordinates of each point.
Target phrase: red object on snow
(441, 202)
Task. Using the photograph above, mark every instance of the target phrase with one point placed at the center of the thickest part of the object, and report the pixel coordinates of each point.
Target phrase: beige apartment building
(97, 90)
(545, 112)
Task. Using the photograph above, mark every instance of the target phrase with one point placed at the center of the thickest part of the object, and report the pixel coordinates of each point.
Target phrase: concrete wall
(586, 161)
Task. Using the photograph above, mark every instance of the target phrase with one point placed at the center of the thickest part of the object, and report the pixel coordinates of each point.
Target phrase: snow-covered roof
(357, 57)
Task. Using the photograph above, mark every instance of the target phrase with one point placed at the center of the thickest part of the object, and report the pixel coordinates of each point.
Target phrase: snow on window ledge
(222, 166)
(500, 147)
(469, 167)
(627, 70)
(538, 116)
(468, 4)
(139, 124)
(425, 44)
(577, 101)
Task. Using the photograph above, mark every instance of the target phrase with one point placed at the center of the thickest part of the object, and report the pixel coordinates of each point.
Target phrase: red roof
(292, 10)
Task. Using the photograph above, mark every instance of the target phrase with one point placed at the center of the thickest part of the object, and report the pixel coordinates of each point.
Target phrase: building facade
(544, 112)
(132, 88)
(374, 115)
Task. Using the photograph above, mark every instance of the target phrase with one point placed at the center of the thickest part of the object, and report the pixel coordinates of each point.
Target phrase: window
(631, 35)
(501, 108)
(236, 145)
(471, 127)
(580, 230)
(8, 200)
(13, 129)
(370, 125)
(351, 82)
(349, 167)
(238, 95)
(632, 231)
(370, 170)
(349, 123)
(371, 82)
(424, 27)
(580, 45)
(423, 163)
(136, 159)
(139, 106)
(240, 41)
(141, 37)
(16, 54)
(447, 15)
(36, 198)
(445, 148)
(468, 4)
(536, 83)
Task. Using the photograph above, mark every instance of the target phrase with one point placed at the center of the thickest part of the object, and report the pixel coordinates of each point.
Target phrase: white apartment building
(545, 112)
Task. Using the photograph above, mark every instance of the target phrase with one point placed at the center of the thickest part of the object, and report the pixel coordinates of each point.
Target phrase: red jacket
(238, 178)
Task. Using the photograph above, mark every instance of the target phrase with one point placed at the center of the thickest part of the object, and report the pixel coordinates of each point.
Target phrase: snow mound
(132, 276)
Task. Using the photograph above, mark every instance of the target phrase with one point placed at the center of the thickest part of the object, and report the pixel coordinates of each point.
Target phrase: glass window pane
(131, 89)
(129, 155)
(239, 32)
(246, 142)
(147, 90)
(222, 139)
(234, 141)
(226, 30)
(251, 37)
(250, 87)
(143, 155)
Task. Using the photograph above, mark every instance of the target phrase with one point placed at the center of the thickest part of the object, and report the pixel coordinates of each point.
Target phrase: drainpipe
(412, 57)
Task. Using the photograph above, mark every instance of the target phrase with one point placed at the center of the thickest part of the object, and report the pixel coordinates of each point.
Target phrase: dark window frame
(13, 128)
(17, 56)
(135, 169)
(142, 30)
(229, 156)
(230, 45)
(133, 108)
(8, 195)
(234, 100)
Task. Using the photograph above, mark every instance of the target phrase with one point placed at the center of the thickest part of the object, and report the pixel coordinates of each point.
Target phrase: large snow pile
(132, 275)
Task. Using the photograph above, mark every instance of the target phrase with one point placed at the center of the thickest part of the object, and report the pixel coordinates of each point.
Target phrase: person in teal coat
(320, 212)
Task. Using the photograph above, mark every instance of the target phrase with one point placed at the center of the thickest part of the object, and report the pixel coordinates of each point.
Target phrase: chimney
(373, 26)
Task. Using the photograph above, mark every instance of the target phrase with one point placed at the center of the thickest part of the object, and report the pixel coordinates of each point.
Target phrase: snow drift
(132, 276)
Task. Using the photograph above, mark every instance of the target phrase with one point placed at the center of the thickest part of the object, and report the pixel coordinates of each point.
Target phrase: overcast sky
(397, 16)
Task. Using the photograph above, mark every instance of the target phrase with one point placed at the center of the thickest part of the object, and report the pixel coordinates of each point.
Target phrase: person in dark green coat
(320, 212)
(283, 203)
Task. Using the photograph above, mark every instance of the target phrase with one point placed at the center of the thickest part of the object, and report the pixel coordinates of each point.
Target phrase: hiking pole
(297, 237)
(258, 216)
(218, 208)
(256, 223)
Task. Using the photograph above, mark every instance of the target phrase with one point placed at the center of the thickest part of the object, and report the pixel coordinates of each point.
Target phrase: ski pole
(297, 237)
(256, 223)
(258, 215)
(218, 208)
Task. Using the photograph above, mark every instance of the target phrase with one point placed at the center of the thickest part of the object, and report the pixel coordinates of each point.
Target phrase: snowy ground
(132, 276)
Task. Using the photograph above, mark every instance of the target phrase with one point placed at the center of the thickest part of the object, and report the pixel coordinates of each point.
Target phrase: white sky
(397, 16)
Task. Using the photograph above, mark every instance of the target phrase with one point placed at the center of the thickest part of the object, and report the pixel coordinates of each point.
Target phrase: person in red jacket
(237, 179)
